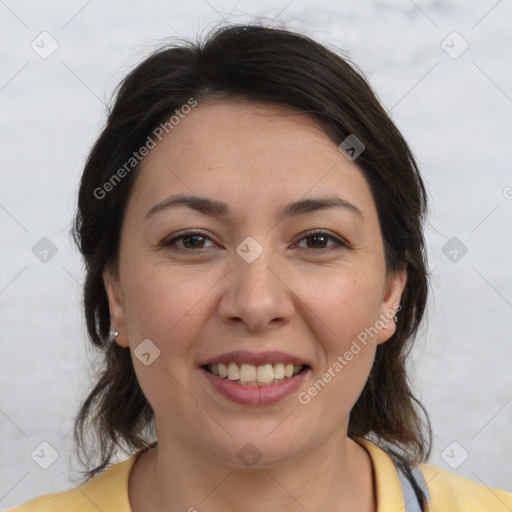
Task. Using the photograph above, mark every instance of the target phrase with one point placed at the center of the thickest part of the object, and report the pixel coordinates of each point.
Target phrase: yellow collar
(109, 491)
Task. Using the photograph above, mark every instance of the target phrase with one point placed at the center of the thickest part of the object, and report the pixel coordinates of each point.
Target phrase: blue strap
(411, 501)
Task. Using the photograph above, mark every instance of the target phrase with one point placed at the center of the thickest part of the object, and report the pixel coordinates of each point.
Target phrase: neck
(336, 476)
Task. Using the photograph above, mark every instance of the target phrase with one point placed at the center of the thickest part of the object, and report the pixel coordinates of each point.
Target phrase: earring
(114, 334)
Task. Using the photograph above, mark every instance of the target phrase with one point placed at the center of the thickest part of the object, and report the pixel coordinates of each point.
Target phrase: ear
(391, 304)
(116, 305)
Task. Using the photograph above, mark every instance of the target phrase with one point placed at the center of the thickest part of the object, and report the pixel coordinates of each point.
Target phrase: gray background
(453, 106)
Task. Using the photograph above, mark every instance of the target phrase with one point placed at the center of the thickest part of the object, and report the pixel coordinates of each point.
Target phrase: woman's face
(253, 287)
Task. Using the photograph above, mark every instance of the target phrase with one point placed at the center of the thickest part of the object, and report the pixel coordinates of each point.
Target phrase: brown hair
(270, 65)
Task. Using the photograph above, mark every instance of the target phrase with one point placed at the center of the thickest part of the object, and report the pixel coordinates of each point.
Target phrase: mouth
(256, 379)
(245, 374)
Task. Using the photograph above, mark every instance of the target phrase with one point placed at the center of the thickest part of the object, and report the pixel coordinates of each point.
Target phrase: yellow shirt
(108, 491)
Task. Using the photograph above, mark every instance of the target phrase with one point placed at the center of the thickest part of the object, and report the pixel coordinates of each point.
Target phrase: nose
(256, 294)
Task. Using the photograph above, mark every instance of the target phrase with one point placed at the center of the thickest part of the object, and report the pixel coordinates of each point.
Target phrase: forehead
(268, 152)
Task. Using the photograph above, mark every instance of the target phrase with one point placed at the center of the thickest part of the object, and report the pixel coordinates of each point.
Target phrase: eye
(192, 239)
(189, 239)
(320, 240)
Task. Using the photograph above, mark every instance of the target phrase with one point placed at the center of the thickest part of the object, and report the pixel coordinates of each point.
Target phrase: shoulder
(55, 502)
(449, 491)
(107, 491)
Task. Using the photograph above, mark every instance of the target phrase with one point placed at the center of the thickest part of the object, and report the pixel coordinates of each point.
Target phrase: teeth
(223, 371)
(250, 375)
(233, 371)
(247, 372)
(279, 371)
(265, 373)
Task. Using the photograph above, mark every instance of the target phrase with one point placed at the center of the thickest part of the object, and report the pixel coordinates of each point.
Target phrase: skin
(296, 297)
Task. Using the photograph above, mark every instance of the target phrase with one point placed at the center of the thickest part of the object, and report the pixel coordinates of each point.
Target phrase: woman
(251, 223)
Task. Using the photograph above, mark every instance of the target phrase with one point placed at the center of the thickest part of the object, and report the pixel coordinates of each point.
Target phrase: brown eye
(320, 240)
(189, 241)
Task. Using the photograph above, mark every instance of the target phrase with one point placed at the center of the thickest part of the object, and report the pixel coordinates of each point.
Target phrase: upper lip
(256, 358)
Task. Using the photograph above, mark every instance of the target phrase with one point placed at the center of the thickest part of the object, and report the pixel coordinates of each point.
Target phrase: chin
(253, 448)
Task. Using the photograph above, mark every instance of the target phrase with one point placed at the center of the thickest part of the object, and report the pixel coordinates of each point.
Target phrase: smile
(250, 375)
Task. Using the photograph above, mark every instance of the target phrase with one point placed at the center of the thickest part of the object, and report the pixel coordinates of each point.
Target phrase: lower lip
(256, 395)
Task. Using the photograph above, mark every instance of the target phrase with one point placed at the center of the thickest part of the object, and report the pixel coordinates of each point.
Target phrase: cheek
(168, 308)
(167, 305)
(345, 302)
(342, 312)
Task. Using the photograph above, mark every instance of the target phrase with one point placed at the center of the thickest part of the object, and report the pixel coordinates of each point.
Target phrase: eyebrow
(215, 208)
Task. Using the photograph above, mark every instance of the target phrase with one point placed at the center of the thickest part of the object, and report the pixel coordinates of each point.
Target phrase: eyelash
(309, 234)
